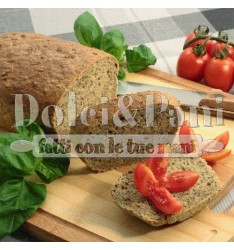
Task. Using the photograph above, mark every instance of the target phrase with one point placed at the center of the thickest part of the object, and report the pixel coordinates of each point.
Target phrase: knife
(202, 101)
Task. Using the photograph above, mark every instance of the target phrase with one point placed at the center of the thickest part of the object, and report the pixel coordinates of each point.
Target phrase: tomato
(187, 143)
(213, 157)
(222, 138)
(179, 181)
(200, 30)
(147, 185)
(165, 202)
(232, 54)
(217, 47)
(209, 43)
(209, 46)
(158, 165)
(191, 36)
(144, 180)
(219, 73)
(191, 66)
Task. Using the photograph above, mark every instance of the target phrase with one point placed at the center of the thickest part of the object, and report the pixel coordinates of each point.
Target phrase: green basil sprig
(20, 198)
(139, 58)
(88, 32)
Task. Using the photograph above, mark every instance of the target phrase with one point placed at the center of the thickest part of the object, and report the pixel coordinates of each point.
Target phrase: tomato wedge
(213, 157)
(179, 181)
(165, 202)
(144, 180)
(158, 165)
(147, 185)
(187, 143)
(222, 138)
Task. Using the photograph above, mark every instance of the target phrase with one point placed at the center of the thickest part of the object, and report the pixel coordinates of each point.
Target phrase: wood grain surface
(79, 206)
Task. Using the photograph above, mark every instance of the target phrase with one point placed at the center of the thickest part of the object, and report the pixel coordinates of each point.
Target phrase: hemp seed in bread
(194, 200)
(47, 68)
(161, 125)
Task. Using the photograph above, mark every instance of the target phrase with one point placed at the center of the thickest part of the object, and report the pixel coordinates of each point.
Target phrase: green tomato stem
(205, 37)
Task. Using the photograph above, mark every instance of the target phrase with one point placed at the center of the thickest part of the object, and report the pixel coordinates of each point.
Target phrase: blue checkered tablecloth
(163, 30)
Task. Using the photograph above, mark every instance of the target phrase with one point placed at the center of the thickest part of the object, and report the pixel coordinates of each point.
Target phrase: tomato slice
(179, 181)
(213, 157)
(222, 138)
(147, 185)
(158, 165)
(144, 180)
(187, 143)
(165, 202)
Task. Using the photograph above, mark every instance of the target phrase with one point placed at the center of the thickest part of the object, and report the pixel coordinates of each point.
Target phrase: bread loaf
(47, 68)
(193, 200)
(161, 125)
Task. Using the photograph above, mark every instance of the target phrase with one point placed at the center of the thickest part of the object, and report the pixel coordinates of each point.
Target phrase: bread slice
(47, 68)
(193, 200)
(161, 124)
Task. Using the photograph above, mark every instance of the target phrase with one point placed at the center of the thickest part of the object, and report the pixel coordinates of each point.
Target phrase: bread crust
(44, 67)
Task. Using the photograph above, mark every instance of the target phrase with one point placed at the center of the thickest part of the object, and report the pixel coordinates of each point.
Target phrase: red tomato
(188, 143)
(213, 157)
(219, 73)
(144, 180)
(147, 185)
(217, 47)
(222, 138)
(191, 66)
(180, 181)
(209, 46)
(158, 165)
(232, 54)
(165, 202)
(191, 36)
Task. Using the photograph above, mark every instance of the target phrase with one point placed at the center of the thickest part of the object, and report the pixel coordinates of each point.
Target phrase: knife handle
(213, 111)
(218, 99)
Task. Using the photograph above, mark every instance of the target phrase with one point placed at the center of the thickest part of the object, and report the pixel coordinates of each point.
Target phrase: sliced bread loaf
(47, 68)
(160, 125)
(193, 200)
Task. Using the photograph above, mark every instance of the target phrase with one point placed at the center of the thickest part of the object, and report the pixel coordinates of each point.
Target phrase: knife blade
(189, 98)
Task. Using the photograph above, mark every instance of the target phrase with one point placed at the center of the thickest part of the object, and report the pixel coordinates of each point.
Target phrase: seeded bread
(47, 68)
(161, 124)
(193, 200)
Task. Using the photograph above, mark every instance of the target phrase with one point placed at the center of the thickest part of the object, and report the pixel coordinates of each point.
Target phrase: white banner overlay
(117, 146)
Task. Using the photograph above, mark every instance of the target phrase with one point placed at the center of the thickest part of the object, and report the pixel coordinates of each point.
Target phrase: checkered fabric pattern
(163, 30)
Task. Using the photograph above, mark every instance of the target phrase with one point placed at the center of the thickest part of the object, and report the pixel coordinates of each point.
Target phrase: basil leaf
(121, 74)
(8, 138)
(88, 31)
(113, 43)
(19, 199)
(25, 132)
(16, 164)
(29, 131)
(51, 169)
(139, 58)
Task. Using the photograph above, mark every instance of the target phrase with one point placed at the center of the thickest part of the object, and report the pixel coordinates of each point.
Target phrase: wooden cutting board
(79, 206)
